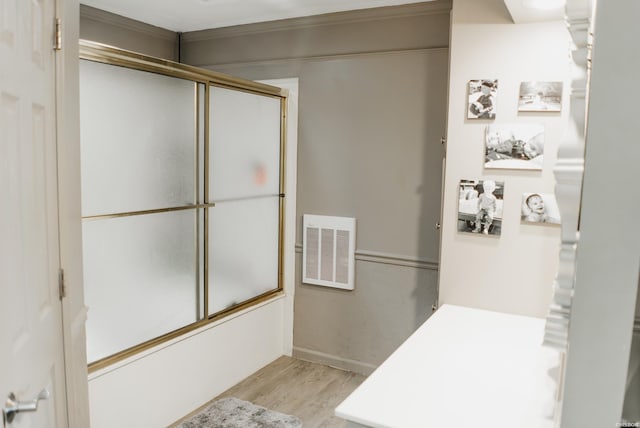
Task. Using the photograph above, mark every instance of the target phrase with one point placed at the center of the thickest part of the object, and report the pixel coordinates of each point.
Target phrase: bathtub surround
(261, 333)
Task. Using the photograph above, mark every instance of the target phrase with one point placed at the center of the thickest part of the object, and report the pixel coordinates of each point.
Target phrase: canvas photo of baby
(514, 146)
(540, 208)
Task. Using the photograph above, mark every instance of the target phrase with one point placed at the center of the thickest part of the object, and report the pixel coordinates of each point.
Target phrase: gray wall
(372, 109)
(115, 30)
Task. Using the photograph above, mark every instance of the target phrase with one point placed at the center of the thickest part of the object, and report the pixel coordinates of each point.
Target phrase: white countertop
(462, 367)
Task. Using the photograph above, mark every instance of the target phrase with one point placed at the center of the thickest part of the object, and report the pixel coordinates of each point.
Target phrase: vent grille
(328, 251)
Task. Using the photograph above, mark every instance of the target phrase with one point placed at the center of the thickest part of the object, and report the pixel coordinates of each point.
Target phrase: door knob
(13, 406)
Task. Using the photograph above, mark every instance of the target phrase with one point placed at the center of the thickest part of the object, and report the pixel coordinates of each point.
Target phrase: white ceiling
(191, 15)
(522, 11)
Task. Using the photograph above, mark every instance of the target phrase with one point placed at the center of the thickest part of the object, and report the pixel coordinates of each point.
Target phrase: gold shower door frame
(97, 52)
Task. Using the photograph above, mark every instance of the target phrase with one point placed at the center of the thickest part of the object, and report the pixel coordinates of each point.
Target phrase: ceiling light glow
(544, 4)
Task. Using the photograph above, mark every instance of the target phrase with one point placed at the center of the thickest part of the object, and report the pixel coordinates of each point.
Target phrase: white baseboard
(333, 361)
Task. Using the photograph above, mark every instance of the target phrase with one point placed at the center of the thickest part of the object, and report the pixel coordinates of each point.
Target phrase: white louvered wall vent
(328, 251)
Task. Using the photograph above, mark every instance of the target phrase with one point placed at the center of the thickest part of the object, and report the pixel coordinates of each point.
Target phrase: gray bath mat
(234, 413)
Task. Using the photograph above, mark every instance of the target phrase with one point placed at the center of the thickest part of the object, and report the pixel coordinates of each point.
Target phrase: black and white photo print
(480, 207)
(539, 208)
(482, 99)
(540, 96)
(514, 146)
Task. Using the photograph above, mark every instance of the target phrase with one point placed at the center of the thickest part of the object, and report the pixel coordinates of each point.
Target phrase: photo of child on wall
(514, 146)
(539, 208)
(482, 99)
(480, 207)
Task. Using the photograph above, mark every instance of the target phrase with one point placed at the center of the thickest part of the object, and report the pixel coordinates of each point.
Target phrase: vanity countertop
(462, 367)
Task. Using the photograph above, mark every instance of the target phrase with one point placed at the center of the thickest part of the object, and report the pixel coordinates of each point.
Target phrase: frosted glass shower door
(140, 279)
(140, 221)
(137, 131)
(244, 184)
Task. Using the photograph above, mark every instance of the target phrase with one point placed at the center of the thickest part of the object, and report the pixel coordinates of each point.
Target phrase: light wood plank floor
(307, 390)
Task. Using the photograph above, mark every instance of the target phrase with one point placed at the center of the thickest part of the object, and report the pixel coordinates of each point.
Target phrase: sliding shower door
(244, 185)
(138, 188)
(181, 201)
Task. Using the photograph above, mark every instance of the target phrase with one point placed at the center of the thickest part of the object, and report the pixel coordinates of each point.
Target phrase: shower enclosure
(182, 198)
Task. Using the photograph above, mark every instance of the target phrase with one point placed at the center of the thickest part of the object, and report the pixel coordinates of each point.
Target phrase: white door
(31, 354)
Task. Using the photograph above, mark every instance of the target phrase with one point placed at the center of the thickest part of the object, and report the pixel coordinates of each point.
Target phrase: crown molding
(98, 15)
(294, 60)
(327, 19)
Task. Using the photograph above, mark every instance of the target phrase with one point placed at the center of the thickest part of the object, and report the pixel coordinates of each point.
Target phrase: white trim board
(291, 179)
(333, 361)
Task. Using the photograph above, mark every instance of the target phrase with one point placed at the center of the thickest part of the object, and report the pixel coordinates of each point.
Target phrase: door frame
(74, 311)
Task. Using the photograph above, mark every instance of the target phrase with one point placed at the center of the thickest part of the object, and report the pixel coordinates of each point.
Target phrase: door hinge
(58, 35)
(62, 290)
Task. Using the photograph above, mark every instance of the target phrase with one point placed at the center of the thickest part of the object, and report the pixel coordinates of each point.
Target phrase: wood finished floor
(307, 390)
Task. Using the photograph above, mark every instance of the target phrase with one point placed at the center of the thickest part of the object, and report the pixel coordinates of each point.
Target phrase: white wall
(512, 273)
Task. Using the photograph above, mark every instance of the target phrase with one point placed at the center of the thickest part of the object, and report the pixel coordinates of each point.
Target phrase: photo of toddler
(482, 99)
(480, 207)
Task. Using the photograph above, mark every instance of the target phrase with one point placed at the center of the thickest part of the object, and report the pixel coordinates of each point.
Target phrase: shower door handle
(13, 406)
